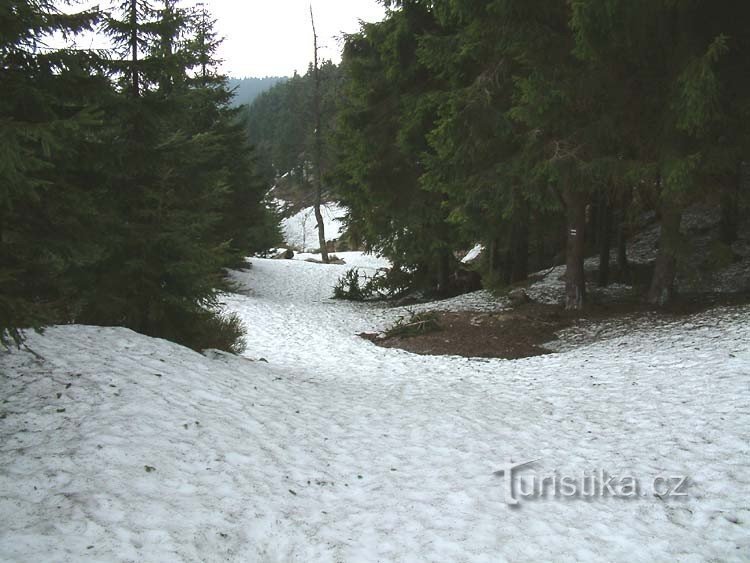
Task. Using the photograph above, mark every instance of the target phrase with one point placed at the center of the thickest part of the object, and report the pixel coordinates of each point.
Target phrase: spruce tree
(164, 262)
(382, 145)
(477, 161)
(185, 199)
(45, 115)
(679, 74)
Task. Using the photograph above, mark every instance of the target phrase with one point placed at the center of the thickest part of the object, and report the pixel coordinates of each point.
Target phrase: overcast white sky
(274, 37)
(269, 37)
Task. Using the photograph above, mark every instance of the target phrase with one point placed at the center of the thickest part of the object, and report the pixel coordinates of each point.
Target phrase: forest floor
(518, 333)
(317, 445)
(530, 329)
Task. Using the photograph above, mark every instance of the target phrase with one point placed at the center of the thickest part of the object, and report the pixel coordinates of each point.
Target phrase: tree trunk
(622, 253)
(662, 284)
(204, 51)
(575, 281)
(730, 213)
(507, 271)
(605, 240)
(134, 48)
(166, 78)
(493, 259)
(443, 271)
(321, 231)
(318, 149)
(622, 237)
(519, 241)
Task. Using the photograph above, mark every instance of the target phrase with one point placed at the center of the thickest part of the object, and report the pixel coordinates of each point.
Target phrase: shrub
(392, 282)
(223, 332)
(355, 285)
(203, 329)
(350, 287)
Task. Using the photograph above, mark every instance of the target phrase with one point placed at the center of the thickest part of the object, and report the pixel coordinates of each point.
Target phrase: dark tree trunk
(519, 245)
(730, 213)
(321, 231)
(575, 280)
(605, 241)
(507, 271)
(204, 51)
(622, 253)
(622, 237)
(133, 16)
(495, 261)
(318, 149)
(166, 78)
(593, 231)
(492, 257)
(443, 271)
(662, 284)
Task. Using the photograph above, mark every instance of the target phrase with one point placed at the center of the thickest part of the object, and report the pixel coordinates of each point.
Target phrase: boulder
(518, 297)
(285, 254)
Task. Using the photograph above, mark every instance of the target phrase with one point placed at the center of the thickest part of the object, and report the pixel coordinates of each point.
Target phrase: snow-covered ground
(473, 254)
(119, 447)
(300, 230)
(368, 263)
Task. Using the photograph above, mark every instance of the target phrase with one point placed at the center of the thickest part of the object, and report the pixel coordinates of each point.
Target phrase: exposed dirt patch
(523, 331)
(519, 333)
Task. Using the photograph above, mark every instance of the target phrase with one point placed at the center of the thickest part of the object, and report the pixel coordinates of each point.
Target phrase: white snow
(473, 254)
(338, 450)
(481, 301)
(300, 230)
(352, 259)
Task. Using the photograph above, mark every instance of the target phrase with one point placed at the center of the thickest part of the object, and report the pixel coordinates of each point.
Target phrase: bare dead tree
(318, 151)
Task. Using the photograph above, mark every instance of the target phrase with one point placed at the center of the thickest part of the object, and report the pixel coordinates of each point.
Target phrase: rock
(519, 297)
(466, 281)
(285, 254)
(333, 259)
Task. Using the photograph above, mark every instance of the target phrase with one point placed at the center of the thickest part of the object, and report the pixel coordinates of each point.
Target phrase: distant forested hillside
(281, 124)
(250, 88)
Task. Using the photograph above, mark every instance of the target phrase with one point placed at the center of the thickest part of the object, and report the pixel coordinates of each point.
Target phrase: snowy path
(337, 450)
